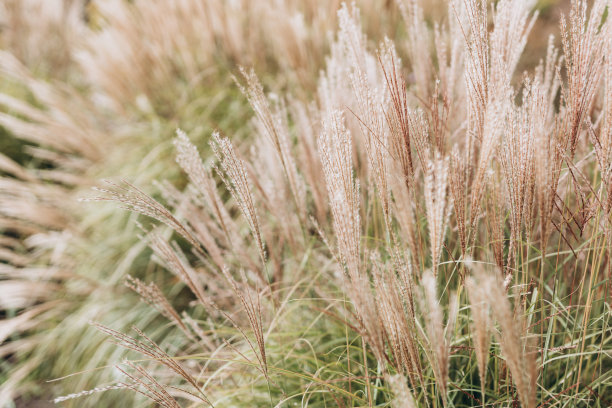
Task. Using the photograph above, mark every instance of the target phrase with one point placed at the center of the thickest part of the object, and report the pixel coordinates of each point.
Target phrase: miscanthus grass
(420, 224)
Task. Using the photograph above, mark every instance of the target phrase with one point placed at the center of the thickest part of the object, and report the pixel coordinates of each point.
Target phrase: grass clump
(420, 226)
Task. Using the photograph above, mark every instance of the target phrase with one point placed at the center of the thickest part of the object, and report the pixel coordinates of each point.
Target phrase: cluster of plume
(90, 90)
(421, 224)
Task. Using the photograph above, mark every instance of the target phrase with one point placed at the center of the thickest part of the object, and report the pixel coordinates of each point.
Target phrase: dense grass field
(305, 203)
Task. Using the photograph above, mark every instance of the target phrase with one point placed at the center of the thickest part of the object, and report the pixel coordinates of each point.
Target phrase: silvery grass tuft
(422, 225)
(91, 90)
